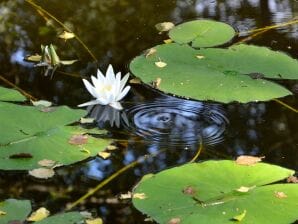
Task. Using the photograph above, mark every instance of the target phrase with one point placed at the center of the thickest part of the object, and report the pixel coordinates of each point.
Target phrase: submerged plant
(107, 90)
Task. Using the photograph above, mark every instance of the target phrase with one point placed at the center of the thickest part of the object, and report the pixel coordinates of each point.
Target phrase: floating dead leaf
(248, 160)
(88, 120)
(47, 109)
(135, 81)
(150, 52)
(68, 62)
(42, 173)
(66, 35)
(33, 58)
(174, 221)
(104, 155)
(149, 219)
(128, 195)
(139, 195)
(46, 163)
(78, 139)
(111, 147)
(240, 217)
(280, 194)
(156, 83)
(86, 215)
(292, 179)
(38, 215)
(245, 189)
(21, 155)
(41, 103)
(2, 213)
(189, 190)
(168, 41)
(94, 221)
(200, 56)
(165, 26)
(160, 64)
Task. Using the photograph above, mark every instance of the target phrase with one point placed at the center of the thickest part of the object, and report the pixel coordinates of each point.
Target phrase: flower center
(107, 88)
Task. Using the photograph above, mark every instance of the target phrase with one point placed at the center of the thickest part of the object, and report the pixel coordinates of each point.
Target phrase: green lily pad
(10, 95)
(65, 218)
(212, 192)
(202, 33)
(222, 75)
(14, 210)
(29, 135)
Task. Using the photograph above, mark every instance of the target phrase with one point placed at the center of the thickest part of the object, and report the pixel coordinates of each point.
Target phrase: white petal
(92, 102)
(116, 105)
(90, 88)
(94, 81)
(110, 75)
(123, 93)
(123, 81)
(100, 76)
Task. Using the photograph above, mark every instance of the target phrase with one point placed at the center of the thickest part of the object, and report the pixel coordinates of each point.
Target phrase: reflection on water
(173, 121)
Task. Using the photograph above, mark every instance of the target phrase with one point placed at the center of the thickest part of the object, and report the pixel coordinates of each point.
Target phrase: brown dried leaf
(21, 155)
(292, 179)
(248, 160)
(150, 52)
(160, 64)
(46, 163)
(104, 155)
(189, 190)
(165, 26)
(135, 81)
(78, 139)
(174, 221)
(38, 215)
(42, 173)
(280, 194)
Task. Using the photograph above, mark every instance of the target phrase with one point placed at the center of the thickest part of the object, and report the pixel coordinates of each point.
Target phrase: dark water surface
(116, 31)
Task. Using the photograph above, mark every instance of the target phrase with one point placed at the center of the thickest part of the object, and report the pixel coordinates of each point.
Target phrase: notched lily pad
(228, 192)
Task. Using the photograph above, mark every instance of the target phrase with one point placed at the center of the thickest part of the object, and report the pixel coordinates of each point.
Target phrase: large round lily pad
(202, 33)
(12, 209)
(30, 134)
(218, 192)
(223, 75)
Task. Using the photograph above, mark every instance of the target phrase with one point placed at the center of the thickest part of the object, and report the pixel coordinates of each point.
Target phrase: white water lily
(107, 90)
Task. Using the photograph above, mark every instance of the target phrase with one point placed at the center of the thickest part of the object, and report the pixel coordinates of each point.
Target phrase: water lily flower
(108, 89)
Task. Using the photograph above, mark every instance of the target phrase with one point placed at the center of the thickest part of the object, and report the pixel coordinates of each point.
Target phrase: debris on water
(38, 215)
(165, 26)
(248, 160)
(150, 52)
(42, 173)
(239, 217)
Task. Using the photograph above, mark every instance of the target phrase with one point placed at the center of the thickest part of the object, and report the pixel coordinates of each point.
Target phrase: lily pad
(65, 218)
(222, 75)
(10, 95)
(14, 210)
(202, 33)
(26, 130)
(208, 192)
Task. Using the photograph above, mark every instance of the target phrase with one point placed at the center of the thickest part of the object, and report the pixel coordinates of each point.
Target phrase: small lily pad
(202, 33)
(15, 210)
(10, 95)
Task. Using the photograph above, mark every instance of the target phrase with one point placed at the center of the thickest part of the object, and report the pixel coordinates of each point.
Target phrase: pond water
(116, 31)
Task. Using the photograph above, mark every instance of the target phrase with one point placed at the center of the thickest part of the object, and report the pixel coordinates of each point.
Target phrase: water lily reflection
(177, 121)
(107, 114)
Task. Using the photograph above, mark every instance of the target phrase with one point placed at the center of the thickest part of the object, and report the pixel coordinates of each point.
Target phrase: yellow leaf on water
(94, 221)
(150, 52)
(128, 195)
(2, 213)
(42, 173)
(160, 64)
(104, 155)
(139, 195)
(168, 41)
(38, 215)
(66, 35)
(280, 194)
(200, 56)
(33, 58)
(111, 147)
(245, 189)
(84, 120)
(248, 160)
(240, 217)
